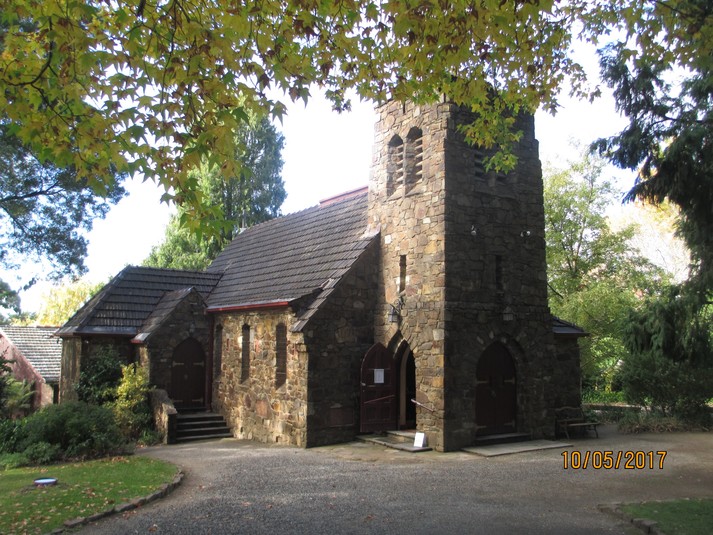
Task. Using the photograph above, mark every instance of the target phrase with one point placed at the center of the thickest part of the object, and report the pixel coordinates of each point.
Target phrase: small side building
(37, 356)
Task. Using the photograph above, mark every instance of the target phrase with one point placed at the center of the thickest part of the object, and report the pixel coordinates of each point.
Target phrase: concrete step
(398, 440)
(505, 438)
(201, 426)
(212, 436)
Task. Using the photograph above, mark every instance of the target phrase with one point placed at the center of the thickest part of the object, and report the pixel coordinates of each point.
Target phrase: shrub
(18, 397)
(149, 437)
(670, 366)
(659, 423)
(78, 429)
(99, 376)
(674, 388)
(42, 453)
(131, 408)
(590, 395)
(10, 434)
(8, 461)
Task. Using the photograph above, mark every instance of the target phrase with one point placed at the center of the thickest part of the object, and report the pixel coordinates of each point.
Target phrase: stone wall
(337, 338)
(412, 221)
(318, 402)
(187, 320)
(256, 408)
(472, 245)
(567, 368)
(497, 280)
(69, 374)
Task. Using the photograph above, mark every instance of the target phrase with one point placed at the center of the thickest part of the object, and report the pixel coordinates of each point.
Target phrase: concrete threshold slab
(515, 447)
(393, 442)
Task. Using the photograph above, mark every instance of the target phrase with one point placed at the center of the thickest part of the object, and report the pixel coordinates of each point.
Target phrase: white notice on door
(378, 376)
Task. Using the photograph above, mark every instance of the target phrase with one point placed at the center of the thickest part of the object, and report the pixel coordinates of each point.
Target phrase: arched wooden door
(379, 382)
(188, 375)
(495, 392)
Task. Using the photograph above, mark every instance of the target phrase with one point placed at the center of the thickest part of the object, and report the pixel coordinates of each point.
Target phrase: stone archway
(188, 375)
(496, 392)
(407, 387)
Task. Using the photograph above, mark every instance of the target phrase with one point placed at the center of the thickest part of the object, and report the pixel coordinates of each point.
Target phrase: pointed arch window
(413, 158)
(280, 355)
(245, 360)
(395, 165)
(217, 350)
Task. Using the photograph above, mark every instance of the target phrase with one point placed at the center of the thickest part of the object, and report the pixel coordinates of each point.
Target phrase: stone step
(398, 440)
(212, 436)
(201, 426)
(504, 438)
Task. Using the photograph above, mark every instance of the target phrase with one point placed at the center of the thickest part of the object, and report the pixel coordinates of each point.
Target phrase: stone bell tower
(462, 277)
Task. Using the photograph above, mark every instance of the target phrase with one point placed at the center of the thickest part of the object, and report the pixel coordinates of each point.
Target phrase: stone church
(419, 302)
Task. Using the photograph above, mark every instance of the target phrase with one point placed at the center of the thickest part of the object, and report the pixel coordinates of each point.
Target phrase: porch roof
(123, 305)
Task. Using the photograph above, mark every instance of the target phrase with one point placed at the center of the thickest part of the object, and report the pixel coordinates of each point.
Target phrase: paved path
(236, 486)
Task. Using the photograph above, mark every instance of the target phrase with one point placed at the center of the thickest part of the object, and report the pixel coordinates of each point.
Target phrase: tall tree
(44, 210)
(255, 194)
(596, 277)
(62, 301)
(669, 138)
(9, 301)
(156, 87)
(582, 248)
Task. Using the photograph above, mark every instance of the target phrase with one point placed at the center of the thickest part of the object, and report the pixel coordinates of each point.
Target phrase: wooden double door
(188, 375)
(388, 384)
(496, 392)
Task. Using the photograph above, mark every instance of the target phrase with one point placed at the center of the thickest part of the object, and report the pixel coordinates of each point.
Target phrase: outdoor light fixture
(508, 314)
(525, 234)
(395, 310)
(473, 231)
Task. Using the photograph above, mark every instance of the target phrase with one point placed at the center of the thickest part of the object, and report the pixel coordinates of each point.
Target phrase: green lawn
(679, 517)
(82, 489)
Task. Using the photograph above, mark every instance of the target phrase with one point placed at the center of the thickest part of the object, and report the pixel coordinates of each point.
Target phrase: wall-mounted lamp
(473, 231)
(395, 310)
(508, 314)
(525, 234)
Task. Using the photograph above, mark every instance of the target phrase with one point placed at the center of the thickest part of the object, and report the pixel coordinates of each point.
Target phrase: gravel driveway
(234, 486)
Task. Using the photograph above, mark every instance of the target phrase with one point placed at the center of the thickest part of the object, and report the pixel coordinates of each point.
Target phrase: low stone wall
(164, 415)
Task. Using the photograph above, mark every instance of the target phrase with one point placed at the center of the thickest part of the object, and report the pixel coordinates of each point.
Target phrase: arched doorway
(188, 375)
(379, 382)
(495, 392)
(407, 388)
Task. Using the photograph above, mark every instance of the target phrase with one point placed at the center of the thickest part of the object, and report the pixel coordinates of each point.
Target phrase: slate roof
(291, 257)
(163, 310)
(300, 255)
(565, 328)
(123, 305)
(39, 347)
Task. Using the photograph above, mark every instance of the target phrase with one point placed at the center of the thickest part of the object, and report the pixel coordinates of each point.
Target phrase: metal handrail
(379, 399)
(422, 405)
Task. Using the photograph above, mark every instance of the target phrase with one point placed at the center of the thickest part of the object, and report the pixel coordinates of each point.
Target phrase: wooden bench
(572, 418)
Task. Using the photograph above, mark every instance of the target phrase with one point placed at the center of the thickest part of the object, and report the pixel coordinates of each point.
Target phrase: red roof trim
(342, 196)
(254, 306)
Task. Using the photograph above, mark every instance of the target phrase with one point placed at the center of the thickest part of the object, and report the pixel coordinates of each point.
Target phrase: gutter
(253, 306)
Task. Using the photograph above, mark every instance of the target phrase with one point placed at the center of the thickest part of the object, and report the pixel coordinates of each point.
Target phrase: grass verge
(82, 490)
(679, 517)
